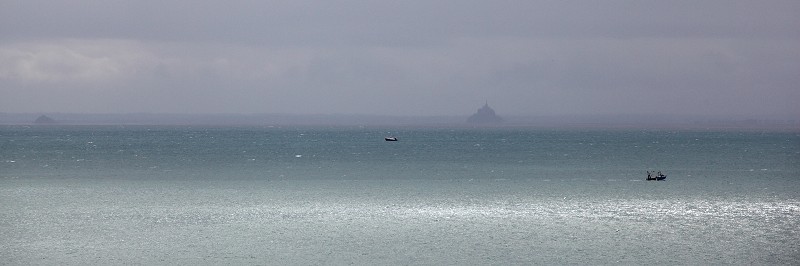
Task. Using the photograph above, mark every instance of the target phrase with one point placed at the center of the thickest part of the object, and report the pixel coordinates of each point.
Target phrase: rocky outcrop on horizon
(43, 119)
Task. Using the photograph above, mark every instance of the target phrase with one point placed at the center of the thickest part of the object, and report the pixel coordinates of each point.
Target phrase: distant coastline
(553, 121)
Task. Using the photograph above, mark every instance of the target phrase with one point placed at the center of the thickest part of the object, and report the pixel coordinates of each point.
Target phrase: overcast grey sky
(443, 57)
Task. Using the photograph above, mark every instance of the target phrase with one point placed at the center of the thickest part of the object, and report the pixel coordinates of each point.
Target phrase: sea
(334, 195)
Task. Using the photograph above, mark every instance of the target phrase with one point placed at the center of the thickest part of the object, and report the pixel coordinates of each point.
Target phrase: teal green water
(305, 195)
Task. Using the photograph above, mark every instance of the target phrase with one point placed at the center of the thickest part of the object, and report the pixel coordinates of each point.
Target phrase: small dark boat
(390, 138)
(659, 177)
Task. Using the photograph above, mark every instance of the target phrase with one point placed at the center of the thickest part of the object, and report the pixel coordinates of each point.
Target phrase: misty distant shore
(555, 121)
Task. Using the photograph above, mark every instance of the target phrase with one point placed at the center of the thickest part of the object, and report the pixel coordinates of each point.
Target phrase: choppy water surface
(187, 195)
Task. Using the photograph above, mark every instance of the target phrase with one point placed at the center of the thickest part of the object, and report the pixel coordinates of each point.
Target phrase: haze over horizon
(414, 58)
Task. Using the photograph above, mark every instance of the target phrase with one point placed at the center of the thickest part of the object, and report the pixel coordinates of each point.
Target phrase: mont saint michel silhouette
(485, 115)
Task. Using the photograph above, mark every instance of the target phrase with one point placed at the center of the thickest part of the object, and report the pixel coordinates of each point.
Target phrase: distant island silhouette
(485, 115)
(43, 119)
(631, 121)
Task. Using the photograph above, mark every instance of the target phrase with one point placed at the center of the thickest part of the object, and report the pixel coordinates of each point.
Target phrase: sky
(407, 58)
